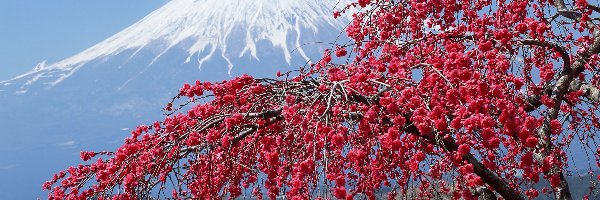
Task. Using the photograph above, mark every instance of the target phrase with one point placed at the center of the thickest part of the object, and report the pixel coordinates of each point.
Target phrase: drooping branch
(488, 176)
(563, 53)
(249, 131)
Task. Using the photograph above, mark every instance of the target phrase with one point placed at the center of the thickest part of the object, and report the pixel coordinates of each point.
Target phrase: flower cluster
(438, 97)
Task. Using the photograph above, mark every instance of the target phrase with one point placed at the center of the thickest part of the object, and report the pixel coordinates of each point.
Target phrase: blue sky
(32, 31)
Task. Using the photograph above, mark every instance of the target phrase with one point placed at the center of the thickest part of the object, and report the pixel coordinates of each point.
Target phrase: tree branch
(589, 91)
(274, 115)
(593, 7)
(563, 53)
(488, 176)
(561, 87)
(564, 11)
(249, 131)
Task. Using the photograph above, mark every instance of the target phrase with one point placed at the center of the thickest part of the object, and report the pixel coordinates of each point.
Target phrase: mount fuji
(90, 100)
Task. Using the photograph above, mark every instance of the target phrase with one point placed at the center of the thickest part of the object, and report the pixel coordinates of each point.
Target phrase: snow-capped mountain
(137, 70)
(202, 31)
(93, 98)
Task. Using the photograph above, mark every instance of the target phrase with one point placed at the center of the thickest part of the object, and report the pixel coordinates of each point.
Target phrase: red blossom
(430, 89)
(340, 52)
(531, 142)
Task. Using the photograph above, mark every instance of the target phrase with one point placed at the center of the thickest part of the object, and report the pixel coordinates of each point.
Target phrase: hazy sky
(32, 31)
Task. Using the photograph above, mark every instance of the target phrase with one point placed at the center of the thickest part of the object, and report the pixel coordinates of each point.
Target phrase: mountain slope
(225, 30)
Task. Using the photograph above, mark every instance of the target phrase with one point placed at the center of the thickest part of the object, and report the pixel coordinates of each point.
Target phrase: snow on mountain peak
(208, 26)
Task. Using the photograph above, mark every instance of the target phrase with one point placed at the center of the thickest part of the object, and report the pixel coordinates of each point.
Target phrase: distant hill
(579, 186)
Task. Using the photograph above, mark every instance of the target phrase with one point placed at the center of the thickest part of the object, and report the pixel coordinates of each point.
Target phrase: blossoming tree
(440, 98)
